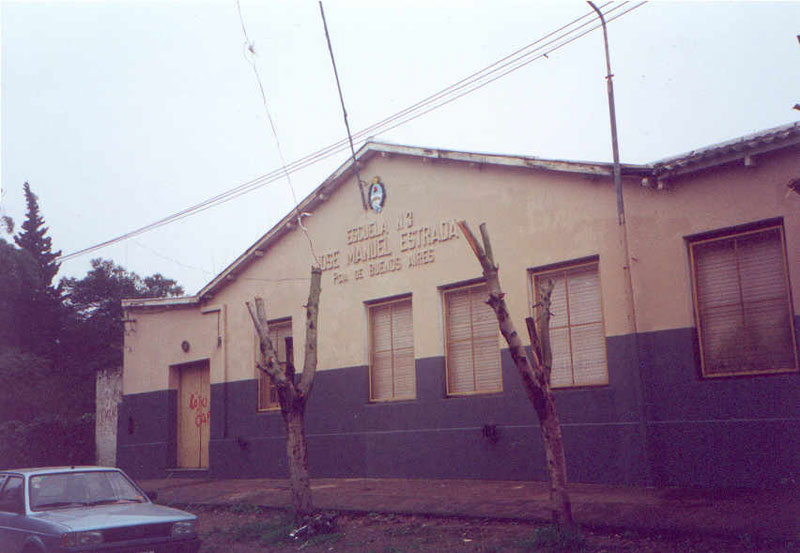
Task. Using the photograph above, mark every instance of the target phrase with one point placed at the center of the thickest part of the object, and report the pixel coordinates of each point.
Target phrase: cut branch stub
(487, 246)
(312, 316)
(536, 346)
(545, 291)
(476, 248)
(268, 361)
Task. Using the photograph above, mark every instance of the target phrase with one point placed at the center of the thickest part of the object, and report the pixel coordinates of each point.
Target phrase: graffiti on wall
(108, 395)
(199, 404)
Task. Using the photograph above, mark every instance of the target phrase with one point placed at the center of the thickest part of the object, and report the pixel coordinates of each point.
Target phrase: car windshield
(75, 489)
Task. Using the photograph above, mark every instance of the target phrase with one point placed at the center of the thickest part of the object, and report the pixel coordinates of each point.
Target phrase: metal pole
(344, 111)
(623, 229)
(613, 115)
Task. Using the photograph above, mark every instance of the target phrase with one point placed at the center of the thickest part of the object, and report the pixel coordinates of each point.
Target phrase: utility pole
(613, 115)
(623, 235)
(797, 106)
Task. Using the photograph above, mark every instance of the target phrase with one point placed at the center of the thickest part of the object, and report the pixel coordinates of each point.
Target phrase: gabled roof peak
(741, 148)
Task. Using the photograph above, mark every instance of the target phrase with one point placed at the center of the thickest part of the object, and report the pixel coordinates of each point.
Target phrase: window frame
(262, 378)
(732, 234)
(371, 350)
(8, 479)
(563, 268)
(446, 318)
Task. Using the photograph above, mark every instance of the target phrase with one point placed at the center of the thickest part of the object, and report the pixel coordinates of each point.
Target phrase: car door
(12, 514)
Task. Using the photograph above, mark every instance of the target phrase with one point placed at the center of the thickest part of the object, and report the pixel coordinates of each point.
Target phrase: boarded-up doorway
(194, 415)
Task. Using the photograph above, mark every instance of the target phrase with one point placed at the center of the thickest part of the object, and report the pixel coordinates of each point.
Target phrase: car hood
(111, 516)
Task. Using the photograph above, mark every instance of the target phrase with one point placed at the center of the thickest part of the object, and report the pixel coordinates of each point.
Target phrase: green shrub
(47, 441)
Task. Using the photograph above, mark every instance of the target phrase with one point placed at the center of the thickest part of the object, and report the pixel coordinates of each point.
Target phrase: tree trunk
(298, 461)
(556, 461)
(535, 376)
(292, 395)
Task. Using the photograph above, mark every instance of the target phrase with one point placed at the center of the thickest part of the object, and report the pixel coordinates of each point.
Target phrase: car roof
(51, 470)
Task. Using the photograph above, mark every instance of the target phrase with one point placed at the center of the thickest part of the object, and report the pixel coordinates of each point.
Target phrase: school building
(675, 335)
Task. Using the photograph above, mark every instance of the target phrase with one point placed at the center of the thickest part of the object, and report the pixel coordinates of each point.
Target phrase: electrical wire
(469, 84)
(294, 166)
(250, 47)
(480, 85)
(172, 259)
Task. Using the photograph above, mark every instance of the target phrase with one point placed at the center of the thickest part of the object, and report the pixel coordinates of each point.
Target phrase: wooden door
(194, 416)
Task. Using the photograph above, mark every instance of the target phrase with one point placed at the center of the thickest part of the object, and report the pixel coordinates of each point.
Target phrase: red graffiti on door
(199, 403)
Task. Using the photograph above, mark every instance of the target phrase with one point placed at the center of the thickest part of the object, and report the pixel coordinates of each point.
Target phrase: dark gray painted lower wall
(434, 436)
(147, 433)
(662, 425)
(738, 431)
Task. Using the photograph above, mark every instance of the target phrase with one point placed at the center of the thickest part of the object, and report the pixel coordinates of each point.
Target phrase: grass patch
(554, 538)
(265, 532)
(244, 509)
(321, 539)
(405, 530)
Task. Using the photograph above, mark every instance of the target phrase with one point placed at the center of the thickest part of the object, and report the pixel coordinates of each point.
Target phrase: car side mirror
(152, 495)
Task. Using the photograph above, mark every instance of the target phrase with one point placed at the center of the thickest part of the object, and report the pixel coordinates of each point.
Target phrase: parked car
(87, 509)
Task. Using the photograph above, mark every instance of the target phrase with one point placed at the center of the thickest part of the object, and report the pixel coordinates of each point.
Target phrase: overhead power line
(522, 57)
(250, 47)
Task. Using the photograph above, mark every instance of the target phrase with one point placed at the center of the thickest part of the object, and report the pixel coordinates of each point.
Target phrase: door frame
(203, 413)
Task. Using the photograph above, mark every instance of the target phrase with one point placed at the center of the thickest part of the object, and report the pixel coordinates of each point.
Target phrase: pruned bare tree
(292, 394)
(534, 372)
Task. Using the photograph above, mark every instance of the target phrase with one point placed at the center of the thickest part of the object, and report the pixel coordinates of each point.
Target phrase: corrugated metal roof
(730, 150)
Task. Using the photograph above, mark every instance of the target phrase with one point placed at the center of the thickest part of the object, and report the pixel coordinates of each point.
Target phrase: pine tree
(32, 238)
(41, 314)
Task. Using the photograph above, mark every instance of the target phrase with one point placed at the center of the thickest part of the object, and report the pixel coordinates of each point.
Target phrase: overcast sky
(121, 113)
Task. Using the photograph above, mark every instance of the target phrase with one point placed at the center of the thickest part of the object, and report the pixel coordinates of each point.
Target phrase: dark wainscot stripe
(435, 436)
(146, 433)
(740, 431)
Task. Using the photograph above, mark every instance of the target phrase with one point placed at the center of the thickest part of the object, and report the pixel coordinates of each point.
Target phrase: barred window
(280, 332)
(471, 340)
(392, 367)
(742, 303)
(577, 334)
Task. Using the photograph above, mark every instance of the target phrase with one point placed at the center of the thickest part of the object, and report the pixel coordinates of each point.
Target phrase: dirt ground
(248, 529)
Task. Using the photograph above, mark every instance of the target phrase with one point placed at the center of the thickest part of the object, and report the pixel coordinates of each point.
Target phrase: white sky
(121, 113)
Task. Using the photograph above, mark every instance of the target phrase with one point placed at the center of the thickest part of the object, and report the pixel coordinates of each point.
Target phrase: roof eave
(526, 162)
(745, 150)
(183, 301)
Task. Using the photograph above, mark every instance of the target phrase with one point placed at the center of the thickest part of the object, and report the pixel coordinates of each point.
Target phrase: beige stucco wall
(535, 218)
(659, 221)
(518, 206)
(153, 341)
